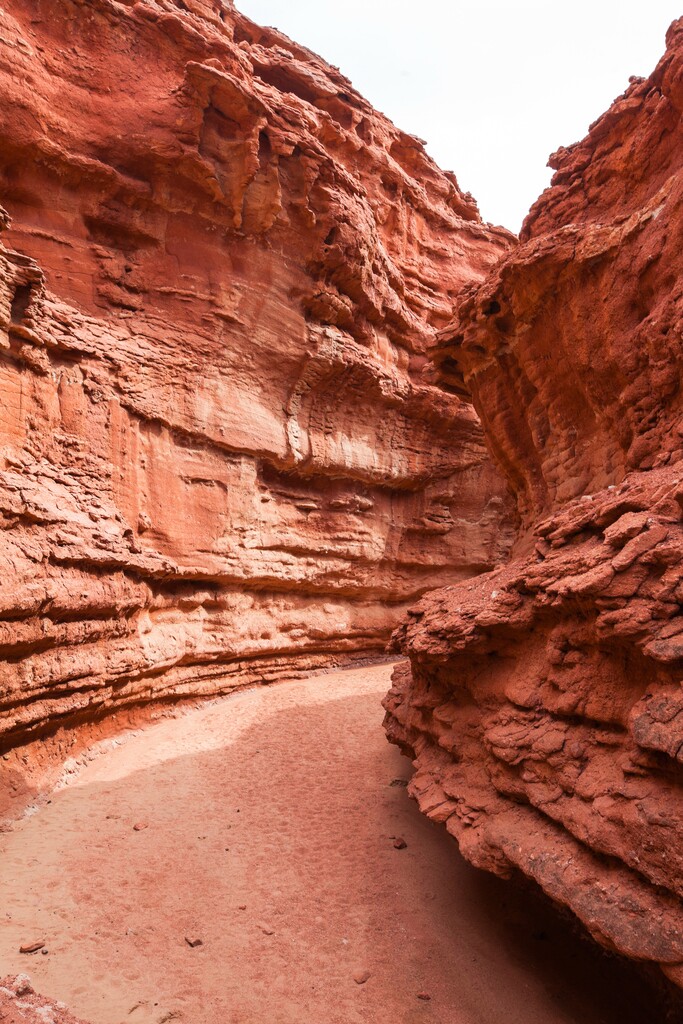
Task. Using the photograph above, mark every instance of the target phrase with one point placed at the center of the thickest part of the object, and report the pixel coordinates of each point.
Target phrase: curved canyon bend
(269, 827)
(277, 404)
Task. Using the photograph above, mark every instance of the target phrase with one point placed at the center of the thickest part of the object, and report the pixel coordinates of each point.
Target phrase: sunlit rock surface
(544, 707)
(222, 456)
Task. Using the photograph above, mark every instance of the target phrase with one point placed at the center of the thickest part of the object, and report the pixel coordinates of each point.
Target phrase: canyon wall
(543, 703)
(222, 457)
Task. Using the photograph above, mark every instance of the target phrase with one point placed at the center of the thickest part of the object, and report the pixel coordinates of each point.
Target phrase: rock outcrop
(19, 1004)
(221, 455)
(543, 705)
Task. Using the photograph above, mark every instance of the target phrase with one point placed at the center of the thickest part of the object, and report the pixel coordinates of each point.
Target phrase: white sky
(493, 86)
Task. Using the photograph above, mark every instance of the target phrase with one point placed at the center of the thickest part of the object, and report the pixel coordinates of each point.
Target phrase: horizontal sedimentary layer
(543, 704)
(571, 348)
(544, 707)
(222, 456)
(142, 562)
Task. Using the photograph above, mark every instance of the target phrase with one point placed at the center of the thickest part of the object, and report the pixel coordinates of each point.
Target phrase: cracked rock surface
(543, 703)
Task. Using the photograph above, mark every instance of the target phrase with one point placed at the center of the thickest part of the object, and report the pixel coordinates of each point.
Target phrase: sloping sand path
(268, 820)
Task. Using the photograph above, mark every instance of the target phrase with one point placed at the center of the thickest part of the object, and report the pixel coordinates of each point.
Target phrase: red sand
(269, 834)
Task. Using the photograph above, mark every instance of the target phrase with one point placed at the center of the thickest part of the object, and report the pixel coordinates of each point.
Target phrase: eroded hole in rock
(21, 300)
(265, 148)
(285, 77)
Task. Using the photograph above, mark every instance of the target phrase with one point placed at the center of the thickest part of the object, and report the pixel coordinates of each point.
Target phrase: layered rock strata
(221, 459)
(543, 703)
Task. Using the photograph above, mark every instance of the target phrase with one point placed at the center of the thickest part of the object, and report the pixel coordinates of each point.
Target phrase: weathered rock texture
(221, 459)
(544, 707)
(19, 1004)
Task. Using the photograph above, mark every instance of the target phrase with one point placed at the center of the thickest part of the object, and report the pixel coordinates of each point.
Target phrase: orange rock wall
(544, 707)
(222, 457)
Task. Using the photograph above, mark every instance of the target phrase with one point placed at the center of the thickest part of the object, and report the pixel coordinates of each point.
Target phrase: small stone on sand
(31, 947)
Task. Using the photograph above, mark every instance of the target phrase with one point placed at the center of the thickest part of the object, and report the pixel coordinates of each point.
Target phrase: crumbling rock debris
(19, 1004)
(222, 458)
(543, 703)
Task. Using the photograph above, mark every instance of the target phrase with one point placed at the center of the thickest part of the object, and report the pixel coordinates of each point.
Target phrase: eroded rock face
(222, 274)
(544, 707)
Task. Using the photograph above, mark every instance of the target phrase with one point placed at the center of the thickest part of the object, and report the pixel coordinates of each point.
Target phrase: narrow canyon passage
(266, 825)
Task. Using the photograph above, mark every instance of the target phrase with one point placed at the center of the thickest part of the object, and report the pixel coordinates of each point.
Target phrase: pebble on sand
(31, 947)
(360, 977)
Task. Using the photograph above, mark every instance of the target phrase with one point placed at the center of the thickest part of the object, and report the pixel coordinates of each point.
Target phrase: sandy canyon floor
(266, 825)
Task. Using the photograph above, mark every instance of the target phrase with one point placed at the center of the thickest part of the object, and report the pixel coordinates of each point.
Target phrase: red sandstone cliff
(544, 708)
(223, 271)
